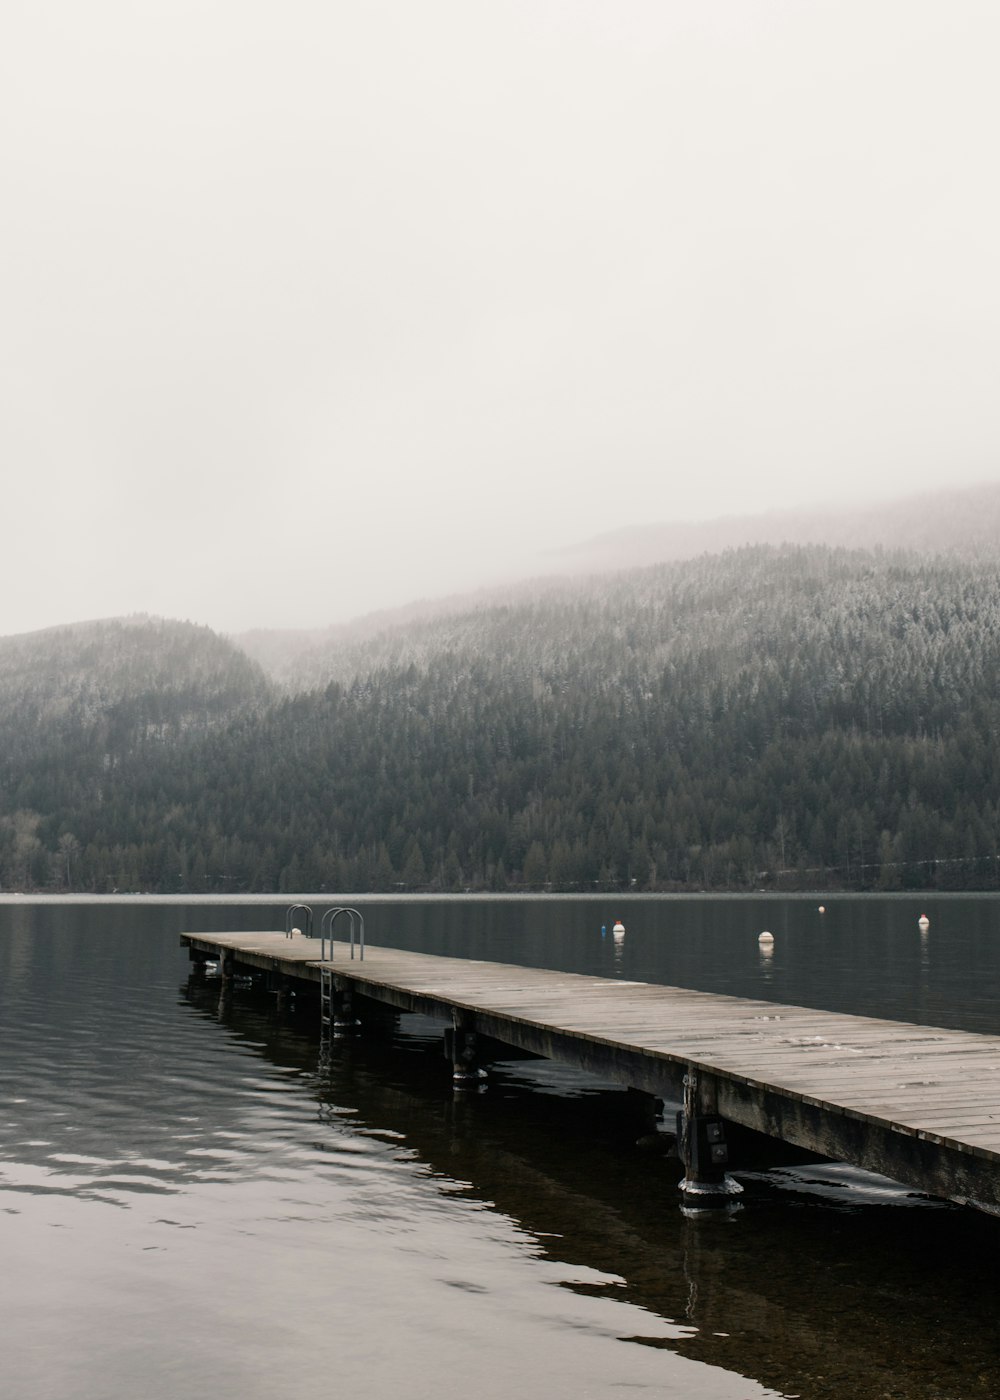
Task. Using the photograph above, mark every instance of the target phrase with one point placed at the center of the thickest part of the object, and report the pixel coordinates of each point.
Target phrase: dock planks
(920, 1104)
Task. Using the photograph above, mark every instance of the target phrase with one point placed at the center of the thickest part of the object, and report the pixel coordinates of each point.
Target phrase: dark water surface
(188, 1208)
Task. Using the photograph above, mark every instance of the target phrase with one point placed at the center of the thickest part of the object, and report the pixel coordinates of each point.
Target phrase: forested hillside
(960, 524)
(80, 708)
(776, 717)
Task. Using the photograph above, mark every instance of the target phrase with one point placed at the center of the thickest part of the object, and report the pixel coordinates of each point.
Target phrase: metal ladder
(326, 1002)
(329, 1025)
(299, 919)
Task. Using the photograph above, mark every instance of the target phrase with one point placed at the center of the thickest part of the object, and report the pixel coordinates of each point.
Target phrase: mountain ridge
(964, 522)
(774, 716)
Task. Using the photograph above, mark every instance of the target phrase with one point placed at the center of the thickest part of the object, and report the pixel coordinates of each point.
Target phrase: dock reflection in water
(830, 1282)
(191, 1209)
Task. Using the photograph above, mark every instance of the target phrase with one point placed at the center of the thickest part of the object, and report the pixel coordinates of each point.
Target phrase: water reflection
(783, 1293)
(766, 956)
(189, 1205)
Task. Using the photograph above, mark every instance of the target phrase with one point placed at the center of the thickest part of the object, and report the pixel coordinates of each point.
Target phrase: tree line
(771, 717)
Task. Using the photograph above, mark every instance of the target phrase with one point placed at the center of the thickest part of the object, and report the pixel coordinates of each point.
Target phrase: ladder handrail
(326, 926)
(295, 910)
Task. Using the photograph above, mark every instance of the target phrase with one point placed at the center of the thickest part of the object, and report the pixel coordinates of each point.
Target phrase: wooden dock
(916, 1103)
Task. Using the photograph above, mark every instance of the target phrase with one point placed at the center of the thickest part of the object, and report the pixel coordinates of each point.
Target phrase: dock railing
(326, 930)
(298, 916)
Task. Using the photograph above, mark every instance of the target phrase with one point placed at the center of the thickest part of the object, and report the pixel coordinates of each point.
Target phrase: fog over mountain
(768, 716)
(310, 311)
(963, 523)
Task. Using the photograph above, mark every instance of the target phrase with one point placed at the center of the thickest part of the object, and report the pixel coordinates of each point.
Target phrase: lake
(190, 1208)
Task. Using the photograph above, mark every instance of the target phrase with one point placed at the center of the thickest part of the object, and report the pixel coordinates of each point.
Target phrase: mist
(316, 309)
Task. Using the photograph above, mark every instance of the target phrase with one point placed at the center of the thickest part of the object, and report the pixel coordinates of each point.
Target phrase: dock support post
(281, 986)
(461, 1048)
(701, 1146)
(343, 1018)
(226, 966)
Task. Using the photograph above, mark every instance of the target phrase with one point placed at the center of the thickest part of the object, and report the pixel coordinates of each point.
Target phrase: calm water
(189, 1209)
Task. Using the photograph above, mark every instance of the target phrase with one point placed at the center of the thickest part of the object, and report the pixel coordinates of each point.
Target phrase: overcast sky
(315, 307)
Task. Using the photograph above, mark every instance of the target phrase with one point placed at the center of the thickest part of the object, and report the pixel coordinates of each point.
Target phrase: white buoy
(766, 938)
(923, 921)
(822, 908)
(618, 927)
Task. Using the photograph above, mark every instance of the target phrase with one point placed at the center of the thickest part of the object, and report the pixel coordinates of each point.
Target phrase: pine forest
(770, 717)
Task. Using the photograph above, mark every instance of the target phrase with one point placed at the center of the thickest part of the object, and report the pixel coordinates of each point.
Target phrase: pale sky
(314, 307)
